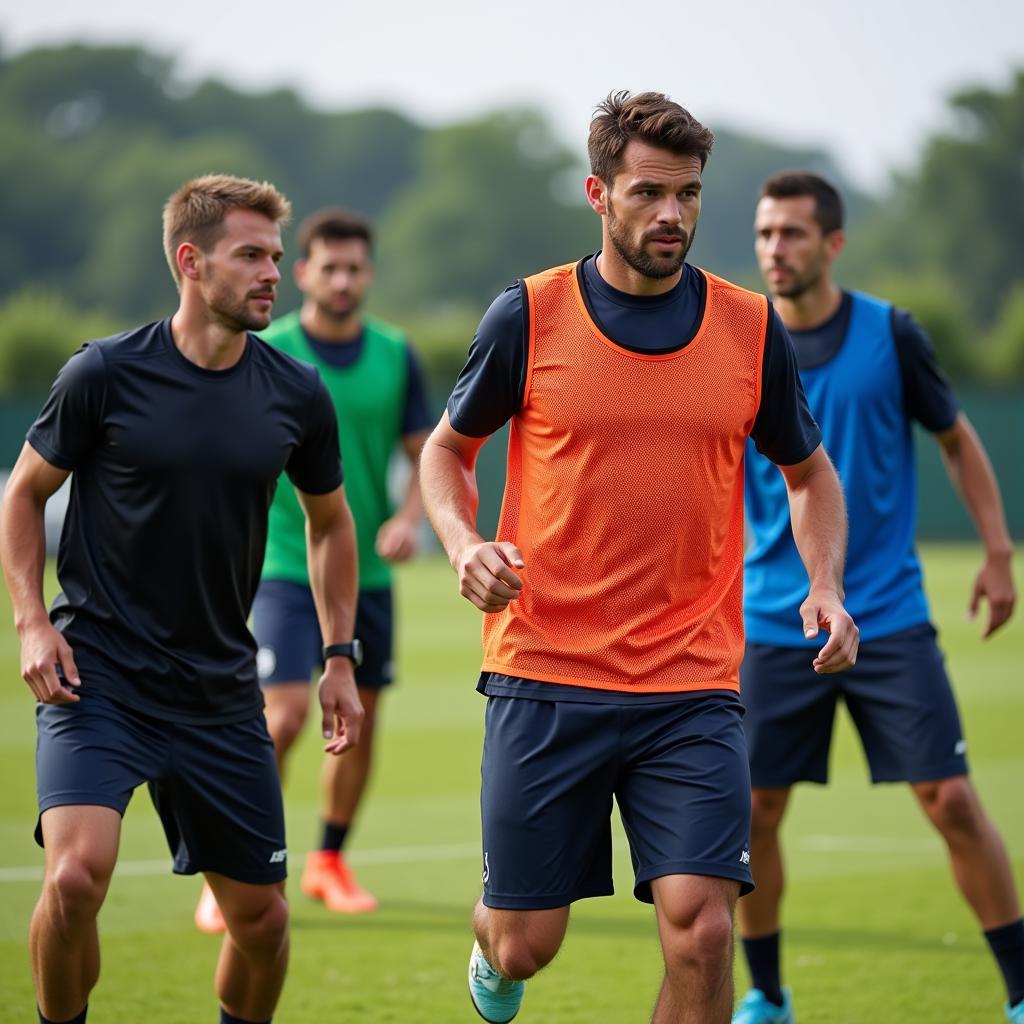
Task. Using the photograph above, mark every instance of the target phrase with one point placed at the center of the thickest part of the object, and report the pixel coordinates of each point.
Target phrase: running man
(380, 398)
(613, 629)
(868, 371)
(174, 435)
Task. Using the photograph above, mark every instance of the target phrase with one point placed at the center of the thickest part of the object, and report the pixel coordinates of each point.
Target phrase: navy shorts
(678, 772)
(287, 632)
(215, 787)
(898, 695)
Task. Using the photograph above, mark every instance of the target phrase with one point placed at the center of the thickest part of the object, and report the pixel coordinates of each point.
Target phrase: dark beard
(638, 258)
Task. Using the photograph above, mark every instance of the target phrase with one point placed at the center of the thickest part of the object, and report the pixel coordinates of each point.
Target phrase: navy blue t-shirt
(173, 470)
(928, 396)
(490, 387)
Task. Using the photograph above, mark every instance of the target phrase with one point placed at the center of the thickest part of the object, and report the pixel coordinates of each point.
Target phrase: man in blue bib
(868, 371)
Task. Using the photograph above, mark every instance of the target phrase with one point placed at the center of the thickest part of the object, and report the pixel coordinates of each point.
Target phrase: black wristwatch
(353, 651)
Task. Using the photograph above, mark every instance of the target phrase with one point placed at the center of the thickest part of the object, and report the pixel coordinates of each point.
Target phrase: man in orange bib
(613, 590)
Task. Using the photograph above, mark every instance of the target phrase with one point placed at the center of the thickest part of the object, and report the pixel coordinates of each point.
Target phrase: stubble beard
(637, 257)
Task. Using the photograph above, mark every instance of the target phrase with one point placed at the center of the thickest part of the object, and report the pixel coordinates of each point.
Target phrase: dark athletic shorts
(215, 787)
(288, 634)
(678, 772)
(898, 695)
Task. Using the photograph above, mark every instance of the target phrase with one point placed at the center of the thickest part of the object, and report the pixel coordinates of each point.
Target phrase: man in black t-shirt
(174, 435)
(868, 372)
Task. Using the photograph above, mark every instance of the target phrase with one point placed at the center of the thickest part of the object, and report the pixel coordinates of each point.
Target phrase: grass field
(875, 931)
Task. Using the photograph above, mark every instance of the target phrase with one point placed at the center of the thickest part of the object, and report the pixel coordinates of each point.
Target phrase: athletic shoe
(755, 1008)
(327, 877)
(495, 998)
(208, 917)
(1015, 1014)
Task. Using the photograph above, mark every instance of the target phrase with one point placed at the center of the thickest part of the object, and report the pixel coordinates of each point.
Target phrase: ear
(299, 274)
(834, 242)
(597, 195)
(189, 259)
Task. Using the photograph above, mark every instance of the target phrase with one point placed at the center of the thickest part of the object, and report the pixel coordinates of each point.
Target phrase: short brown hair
(334, 224)
(828, 204)
(196, 212)
(650, 117)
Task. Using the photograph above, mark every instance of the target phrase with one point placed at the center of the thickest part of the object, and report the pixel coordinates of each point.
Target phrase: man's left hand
(994, 583)
(396, 540)
(342, 709)
(824, 610)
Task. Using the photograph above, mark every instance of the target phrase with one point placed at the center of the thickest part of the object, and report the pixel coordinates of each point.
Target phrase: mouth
(667, 243)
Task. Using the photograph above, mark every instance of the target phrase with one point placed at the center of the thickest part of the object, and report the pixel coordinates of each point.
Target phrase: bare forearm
(818, 514)
(23, 550)
(971, 473)
(411, 509)
(450, 496)
(333, 575)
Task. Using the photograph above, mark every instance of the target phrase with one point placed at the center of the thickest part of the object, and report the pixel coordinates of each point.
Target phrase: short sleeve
(489, 389)
(416, 416)
(70, 424)
(315, 463)
(927, 394)
(784, 430)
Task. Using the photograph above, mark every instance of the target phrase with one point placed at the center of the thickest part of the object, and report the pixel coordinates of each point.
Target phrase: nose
(670, 211)
(774, 244)
(271, 272)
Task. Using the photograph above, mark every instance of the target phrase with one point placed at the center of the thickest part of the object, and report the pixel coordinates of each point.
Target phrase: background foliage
(96, 137)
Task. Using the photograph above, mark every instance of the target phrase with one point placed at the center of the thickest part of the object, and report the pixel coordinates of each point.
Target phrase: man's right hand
(43, 648)
(486, 576)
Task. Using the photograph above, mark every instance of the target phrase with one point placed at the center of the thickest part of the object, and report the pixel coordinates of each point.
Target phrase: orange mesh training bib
(624, 492)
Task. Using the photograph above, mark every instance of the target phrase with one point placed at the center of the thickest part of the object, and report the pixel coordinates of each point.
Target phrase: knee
(261, 931)
(698, 934)
(285, 723)
(952, 806)
(767, 808)
(519, 959)
(74, 890)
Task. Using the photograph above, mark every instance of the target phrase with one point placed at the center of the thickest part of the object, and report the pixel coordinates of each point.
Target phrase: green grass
(875, 931)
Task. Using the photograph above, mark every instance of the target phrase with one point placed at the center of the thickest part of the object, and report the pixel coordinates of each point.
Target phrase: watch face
(357, 652)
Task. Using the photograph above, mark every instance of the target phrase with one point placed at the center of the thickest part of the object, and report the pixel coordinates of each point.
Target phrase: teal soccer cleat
(495, 998)
(1015, 1014)
(754, 1008)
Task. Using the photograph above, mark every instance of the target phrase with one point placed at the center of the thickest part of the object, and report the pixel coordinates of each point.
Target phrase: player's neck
(614, 270)
(205, 342)
(811, 309)
(325, 328)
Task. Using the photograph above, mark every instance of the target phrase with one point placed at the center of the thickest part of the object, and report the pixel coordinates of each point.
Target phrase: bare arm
(23, 550)
(448, 481)
(333, 578)
(971, 472)
(396, 538)
(818, 514)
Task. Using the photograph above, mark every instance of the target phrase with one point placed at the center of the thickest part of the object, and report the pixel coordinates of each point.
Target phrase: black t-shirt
(927, 394)
(173, 470)
(490, 387)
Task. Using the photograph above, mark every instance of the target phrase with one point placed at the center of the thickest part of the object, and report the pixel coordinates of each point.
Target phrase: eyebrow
(693, 185)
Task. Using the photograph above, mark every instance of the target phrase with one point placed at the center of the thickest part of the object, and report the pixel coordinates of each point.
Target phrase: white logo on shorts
(278, 856)
(266, 662)
(745, 857)
(487, 869)
(961, 747)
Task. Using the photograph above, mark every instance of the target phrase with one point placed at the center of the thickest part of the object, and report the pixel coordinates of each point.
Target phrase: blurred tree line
(96, 138)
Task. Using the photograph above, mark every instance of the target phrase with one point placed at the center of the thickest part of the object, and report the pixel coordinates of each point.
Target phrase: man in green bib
(379, 395)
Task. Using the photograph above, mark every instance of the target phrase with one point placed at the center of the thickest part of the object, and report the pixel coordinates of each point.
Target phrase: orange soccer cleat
(327, 877)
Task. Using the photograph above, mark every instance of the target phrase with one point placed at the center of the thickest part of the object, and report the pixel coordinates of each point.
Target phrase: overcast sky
(866, 80)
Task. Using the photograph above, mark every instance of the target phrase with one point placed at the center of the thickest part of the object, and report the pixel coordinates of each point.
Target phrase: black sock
(333, 837)
(80, 1019)
(763, 960)
(226, 1018)
(1007, 945)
